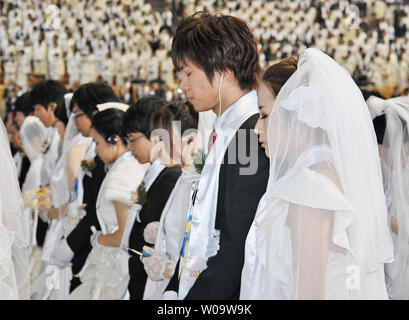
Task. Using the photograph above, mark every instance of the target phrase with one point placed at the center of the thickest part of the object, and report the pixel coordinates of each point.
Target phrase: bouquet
(40, 198)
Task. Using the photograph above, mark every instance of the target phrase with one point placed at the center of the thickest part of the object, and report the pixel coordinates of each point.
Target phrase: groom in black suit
(218, 60)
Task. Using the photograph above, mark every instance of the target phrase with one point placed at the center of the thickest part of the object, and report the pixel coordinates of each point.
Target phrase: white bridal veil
(327, 218)
(33, 136)
(395, 167)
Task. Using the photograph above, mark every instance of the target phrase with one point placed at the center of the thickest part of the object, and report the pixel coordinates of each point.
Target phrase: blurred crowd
(126, 44)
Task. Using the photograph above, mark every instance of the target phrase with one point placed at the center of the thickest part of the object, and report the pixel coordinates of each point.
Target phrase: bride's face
(107, 152)
(266, 99)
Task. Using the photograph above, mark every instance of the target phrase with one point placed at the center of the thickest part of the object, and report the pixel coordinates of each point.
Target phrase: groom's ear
(228, 74)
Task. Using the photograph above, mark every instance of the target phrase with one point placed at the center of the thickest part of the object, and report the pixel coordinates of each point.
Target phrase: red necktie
(212, 139)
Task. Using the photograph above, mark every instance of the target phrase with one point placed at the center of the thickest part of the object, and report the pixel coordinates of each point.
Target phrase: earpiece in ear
(112, 140)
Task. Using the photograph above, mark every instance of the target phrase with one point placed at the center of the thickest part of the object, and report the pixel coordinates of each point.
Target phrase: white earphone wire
(220, 98)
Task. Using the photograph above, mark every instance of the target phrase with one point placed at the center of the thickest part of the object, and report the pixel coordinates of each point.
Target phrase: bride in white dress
(33, 135)
(101, 278)
(14, 233)
(321, 230)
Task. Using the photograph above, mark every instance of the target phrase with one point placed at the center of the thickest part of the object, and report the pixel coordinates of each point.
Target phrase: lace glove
(150, 232)
(157, 266)
(62, 253)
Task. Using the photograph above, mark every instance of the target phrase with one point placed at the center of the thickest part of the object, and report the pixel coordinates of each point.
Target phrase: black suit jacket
(157, 196)
(237, 201)
(79, 238)
(25, 166)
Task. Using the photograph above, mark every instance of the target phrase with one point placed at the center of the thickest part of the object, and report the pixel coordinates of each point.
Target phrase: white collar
(153, 172)
(235, 111)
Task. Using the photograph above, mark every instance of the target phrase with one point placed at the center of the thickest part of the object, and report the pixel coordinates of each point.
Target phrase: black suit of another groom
(79, 239)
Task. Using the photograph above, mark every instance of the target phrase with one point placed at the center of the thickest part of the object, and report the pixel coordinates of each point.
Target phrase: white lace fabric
(150, 232)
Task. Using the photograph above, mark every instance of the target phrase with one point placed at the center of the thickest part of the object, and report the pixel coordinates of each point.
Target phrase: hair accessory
(112, 105)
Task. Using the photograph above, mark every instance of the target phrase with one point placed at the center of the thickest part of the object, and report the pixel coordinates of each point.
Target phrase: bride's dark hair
(176, 111)
(278, 73)
(108, 123)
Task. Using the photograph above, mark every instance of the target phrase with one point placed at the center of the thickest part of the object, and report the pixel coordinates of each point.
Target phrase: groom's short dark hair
(46, 92)
(216, 43)
(138, 116)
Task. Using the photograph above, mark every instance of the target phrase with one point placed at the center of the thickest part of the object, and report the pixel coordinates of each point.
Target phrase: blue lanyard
(74, 191)
(188, 224)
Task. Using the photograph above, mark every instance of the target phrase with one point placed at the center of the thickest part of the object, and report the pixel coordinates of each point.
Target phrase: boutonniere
(88, 165)
(140, 196)
(45, 147)
(199, 158)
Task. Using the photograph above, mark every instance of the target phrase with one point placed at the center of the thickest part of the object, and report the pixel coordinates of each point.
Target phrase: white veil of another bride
(33, 135)
(72, 138)
(395, 167)
(324, 164)
(14, 229)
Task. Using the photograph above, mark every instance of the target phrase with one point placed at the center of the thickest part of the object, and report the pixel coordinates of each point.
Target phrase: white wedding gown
(321, 230)
(14, 229)
(269, 268)
(101, 276)
(171, 229)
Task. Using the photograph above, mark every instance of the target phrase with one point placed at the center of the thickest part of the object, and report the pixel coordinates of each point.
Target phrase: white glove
(157, 266)
(94, 239)
(62, 253)
(170, 295)
(150, 232)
